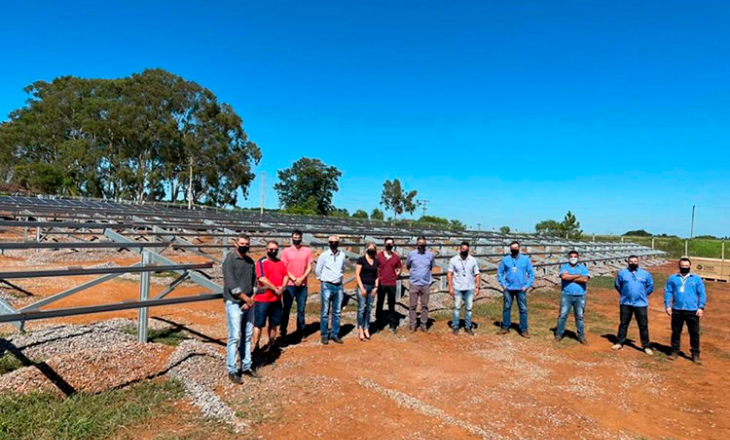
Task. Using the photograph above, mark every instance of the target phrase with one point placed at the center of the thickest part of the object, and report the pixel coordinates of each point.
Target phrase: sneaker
(337, 340)
(558, 338)
(394, 330)
(525, 335)
(584, 341)
(325, 340)
(413, 329)
(503, 331)
(696, 359)
(456, 331)
(649, 351)
(250, 373)
(617, 346)
(235, 378)
(424, 329)
(469, 331)
(673, 355)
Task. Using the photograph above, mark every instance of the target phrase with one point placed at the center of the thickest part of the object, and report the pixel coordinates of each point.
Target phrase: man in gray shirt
(330, 272)
(464, 278)
(239, 281)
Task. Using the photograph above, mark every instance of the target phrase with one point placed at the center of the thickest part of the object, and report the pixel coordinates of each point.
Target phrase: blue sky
(498, 113)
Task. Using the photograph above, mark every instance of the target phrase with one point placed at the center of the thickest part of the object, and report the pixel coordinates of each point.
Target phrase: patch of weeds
(8, 363)
(82, 416)
(172, 336)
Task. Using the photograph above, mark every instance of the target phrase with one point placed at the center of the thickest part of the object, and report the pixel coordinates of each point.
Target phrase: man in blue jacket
(515, 275)
(634, 286)
(684, 299)
(574, 278)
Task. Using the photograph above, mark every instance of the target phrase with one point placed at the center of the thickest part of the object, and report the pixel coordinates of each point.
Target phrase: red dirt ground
(441, 386)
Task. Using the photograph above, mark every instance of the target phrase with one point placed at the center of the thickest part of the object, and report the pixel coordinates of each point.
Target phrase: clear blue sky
(499, 113)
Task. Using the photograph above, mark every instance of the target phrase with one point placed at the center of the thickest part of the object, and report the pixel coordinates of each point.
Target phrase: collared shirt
(239, 276)
(685, 292)
(634, 287)
(297, 261)
(574, 288)
(419, 266)
(464, 270)
(331, 267)
(516, 273)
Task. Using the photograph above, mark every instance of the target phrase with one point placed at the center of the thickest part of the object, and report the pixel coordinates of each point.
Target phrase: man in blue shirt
(515, 275)
(634, 286)
(419, 264)
(684, 300)
(574, 278)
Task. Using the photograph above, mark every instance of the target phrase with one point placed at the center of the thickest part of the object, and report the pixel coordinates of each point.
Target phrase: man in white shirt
(330, 272)
(464, 278)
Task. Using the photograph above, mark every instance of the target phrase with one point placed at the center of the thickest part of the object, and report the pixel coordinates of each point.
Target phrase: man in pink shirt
(298, 262)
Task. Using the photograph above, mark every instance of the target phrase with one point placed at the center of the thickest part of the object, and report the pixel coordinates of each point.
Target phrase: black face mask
(684, 270)
(514, 252)
(633, 267)
(334, 245)
(464, 254)
(388, 247)
(371, 252)
(243, 250)
(272, 254)
(422, 247)
(296, 242)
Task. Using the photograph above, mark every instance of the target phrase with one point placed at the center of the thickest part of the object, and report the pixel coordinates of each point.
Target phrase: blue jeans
(298, 293)
(237, 318)
(466, 297)
(578, 303)
(364, 306)
(509, 296)
(331, 297)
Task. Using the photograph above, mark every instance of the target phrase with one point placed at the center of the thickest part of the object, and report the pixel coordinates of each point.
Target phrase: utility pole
(424, 204)
(692, 227)
(263, 185)
(190, 184)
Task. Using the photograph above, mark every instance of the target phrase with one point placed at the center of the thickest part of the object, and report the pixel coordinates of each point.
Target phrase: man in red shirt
(298, 261)
(272, 275)
(389, 269)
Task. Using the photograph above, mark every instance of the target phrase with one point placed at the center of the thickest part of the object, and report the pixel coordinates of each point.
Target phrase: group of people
(259, 295)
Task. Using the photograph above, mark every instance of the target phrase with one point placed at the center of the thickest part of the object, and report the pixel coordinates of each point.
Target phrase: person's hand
(476, 292)
(669, 311)
(245, 306)
(363, 293)
(700, 313)
(374, 291)
(451, 292)
(280, 290)
(524, 289)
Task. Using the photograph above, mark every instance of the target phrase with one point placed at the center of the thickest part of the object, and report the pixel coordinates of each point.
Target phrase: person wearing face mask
(330, 272)
(573, 277)
(389, 269)
(272, 276)
(684, 301)
(634, 286)
(366, 275)
(419, 264)
(464, 279)
(516, 275)
(239, 284)
(298, 261)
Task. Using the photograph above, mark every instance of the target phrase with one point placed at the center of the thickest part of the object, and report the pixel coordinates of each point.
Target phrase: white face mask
(573, 260)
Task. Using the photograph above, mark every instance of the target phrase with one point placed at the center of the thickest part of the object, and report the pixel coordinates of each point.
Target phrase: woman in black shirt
(366, 274)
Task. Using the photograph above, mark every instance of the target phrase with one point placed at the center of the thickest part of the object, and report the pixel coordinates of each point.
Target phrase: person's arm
(409, 261)
(477, 283)
(268, 284)
(229, 279)
(450, 277)
(584, 276)
(649, 284)
(320, 266)
(702, 298)
(500, 274)
(398, 267)
(530, 275)
(668, 296)
(358, 270)
(284, 283)
(307, 270)
(617, 283)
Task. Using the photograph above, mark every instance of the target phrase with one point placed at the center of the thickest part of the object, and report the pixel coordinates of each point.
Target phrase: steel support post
(144, 293)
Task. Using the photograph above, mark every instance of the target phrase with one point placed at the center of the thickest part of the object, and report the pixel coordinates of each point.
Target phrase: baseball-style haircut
(465, 243)
(685, 259)
(296, 232)
(573, 252)
(514, 243)
(632, 256)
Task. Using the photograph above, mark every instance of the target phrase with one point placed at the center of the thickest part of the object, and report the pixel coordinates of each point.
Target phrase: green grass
(84, 416)
(674, 247)
(169, 336)
(9, 363)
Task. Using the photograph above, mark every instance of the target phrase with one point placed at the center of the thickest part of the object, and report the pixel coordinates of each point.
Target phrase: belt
(333, 284)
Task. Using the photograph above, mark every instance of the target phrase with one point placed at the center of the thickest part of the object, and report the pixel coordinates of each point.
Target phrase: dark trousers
(679, 317)
(384, 291)
(642, 318)
(298, 293)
